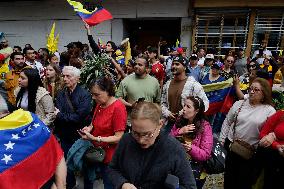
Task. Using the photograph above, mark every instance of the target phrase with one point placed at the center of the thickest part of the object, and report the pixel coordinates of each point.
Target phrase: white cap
(209, 56)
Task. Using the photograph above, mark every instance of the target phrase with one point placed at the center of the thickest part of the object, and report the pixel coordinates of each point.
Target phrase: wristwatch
(99, 139)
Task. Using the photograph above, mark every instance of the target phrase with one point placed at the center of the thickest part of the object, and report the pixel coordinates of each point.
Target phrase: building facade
(221, 24)
(145, 22)
(228, 25)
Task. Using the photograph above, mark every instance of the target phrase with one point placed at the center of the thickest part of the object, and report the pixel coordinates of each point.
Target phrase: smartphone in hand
(180, 139)
(81, 132)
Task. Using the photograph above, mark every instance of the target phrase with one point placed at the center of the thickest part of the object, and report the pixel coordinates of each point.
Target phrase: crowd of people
(151, 118)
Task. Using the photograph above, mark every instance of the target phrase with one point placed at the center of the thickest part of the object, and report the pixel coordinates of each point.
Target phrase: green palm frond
(93, 68)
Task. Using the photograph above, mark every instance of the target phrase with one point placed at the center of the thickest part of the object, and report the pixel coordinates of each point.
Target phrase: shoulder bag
(94, 154)
(240, 147)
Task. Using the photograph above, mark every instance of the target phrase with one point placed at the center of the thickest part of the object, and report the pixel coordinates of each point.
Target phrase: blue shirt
(194, 72)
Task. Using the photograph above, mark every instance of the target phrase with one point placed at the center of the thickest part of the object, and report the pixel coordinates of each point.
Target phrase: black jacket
(130, 160)
(96, 49)
(68, 122)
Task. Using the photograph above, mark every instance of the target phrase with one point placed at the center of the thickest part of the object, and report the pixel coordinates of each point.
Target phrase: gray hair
(72, 70)
(3, 105)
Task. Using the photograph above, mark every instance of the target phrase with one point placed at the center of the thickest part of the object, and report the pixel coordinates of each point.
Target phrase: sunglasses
(252, 66)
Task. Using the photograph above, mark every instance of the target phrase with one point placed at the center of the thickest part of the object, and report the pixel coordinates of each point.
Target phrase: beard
(175, 71)
(138, 73)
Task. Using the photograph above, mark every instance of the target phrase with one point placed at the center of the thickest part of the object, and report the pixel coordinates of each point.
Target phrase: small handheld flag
(177, 44)
(91, 18)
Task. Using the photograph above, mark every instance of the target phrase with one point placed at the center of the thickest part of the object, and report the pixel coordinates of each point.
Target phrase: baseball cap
(70, 45)
(181, 60)
(193, 57)
(217, 65)
(180, 50)
(209, 56)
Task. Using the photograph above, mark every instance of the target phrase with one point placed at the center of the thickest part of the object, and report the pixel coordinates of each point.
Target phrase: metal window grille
(221, 30)
(269, 26)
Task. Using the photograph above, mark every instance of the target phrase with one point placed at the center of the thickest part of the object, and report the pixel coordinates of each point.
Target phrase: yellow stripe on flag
(16, 119)
(78, 7)
(218, 86)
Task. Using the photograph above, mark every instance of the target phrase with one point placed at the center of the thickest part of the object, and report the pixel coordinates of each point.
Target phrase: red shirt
(2, 57)
(106, 122)
(275, 124)
(158, 71)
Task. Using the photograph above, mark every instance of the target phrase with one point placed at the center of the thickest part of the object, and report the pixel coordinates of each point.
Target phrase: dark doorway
(148, 32)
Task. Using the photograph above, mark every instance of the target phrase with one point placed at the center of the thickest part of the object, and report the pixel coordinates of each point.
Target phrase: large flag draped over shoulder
(91, 18)
(220, 96)
(29, 153)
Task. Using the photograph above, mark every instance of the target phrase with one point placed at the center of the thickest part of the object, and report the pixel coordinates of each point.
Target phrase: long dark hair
(198, 119)
(34, 82)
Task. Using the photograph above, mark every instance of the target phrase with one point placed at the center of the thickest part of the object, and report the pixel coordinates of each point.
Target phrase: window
(269, 29)
(221, 30)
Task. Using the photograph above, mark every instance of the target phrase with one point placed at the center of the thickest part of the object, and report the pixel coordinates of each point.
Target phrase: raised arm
(93, 44)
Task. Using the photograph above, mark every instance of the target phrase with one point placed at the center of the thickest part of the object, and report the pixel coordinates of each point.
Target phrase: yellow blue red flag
(91, 18)
(220, 96)
(29, 153)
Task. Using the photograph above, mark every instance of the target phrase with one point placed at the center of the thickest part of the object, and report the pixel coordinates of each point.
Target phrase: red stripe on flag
(214, 108)
(98, 17)
(36, 170)
(228, 103)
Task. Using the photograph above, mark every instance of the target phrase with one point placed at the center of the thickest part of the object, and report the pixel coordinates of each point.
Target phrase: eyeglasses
(252, 66)
(146, 135)
(255, 90)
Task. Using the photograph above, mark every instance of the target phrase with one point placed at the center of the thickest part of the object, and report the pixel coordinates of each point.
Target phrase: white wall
(185, 35)
(30, 21)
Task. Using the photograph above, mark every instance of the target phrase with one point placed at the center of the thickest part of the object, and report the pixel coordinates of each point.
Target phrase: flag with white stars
(28, 151)
(220, 96)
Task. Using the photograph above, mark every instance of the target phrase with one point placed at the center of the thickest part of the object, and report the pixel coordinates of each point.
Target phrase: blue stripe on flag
(18, 144)
(217, 95)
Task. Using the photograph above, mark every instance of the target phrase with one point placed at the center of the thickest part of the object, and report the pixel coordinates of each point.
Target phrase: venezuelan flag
(220, 96)
(91, 18)
(29, 153)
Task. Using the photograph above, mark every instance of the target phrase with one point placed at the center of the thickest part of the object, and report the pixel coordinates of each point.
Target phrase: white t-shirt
(201, 61)
(37, 65)
(249, 122)
(266, 52)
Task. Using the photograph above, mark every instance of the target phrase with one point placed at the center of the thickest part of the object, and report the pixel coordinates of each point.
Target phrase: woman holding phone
(108, 124)
(196, 132)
